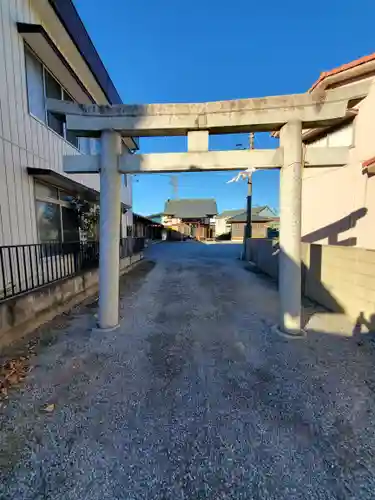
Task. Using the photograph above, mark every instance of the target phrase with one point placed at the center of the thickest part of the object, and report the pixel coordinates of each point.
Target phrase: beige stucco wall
(24, 140)
(338, 203)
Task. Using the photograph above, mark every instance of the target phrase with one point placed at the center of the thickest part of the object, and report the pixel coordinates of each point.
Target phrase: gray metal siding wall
(24, 141)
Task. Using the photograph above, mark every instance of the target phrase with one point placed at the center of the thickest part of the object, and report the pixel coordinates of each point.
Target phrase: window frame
(29, 50)
(38, 200)
(56, 201)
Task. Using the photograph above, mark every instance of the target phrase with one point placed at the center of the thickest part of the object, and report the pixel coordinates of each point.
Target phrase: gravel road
(192, 398)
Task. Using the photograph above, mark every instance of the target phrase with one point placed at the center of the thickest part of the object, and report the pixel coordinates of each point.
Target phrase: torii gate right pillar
(290, 229)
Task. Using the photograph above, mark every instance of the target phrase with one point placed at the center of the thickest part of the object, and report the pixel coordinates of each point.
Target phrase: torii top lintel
(221, 117)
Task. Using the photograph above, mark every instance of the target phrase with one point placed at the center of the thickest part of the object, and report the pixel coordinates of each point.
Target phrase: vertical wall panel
(30, 163)
(60, 152)
(15, 53)
(19, 153)
(4, 103)
(4, 201)
(39, 128)
(25, 190)
(54, 152)
(11, 186)
(19, 194)
(23, 15)
(9, 70)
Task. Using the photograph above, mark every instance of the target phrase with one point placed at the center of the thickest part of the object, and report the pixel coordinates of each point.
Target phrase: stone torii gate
(288, 113)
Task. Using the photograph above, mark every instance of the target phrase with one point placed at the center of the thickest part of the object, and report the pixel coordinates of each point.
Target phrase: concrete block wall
(23, 313)
(342, 279)
(264, 252)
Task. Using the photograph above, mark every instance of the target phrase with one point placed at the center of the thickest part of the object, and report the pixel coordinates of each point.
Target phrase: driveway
(193, 397)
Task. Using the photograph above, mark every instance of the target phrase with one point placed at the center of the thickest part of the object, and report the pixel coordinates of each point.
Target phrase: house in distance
(193, 217)
(264, 223)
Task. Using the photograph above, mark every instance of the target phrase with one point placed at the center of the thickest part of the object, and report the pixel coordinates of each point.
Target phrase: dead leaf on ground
(12, 373)
(49, 408)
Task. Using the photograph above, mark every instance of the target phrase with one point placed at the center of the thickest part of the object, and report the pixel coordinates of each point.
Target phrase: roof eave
(355, 69)
(368, 166)
(70, 19)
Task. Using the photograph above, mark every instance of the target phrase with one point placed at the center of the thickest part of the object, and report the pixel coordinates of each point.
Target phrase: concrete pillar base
(289, 336)
(97, 329)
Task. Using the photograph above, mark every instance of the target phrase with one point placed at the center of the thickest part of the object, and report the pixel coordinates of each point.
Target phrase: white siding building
(45, 51)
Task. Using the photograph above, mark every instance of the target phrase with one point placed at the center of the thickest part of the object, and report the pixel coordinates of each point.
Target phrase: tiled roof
(343, 67)
(142, 218)
(242, 217)
(194, 208)
(233, 213)
(230, 213)
(369, 162)
(256, 210)
(154, 215)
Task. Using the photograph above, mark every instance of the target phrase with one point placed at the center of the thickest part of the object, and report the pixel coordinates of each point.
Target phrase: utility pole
(251, 140)
(248, 231)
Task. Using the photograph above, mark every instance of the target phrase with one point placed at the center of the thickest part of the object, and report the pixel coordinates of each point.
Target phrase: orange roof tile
(369, 162)
(344, 67)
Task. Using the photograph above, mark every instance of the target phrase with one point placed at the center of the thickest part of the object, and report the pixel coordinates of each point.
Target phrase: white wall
(338, 203)
(221, 226)
(25, 141)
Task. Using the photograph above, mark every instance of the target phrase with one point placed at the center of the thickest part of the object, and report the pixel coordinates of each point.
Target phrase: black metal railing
(138, 245)
(26, 267)
(125, 247)
(130, 246)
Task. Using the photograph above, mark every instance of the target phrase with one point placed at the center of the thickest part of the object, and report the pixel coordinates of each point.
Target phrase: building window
(89, 145)
(48, 221)
(84, 145)
(56, 219)
(69, 224)
(96, 146)
(54, 91)
(35, 86)
(41, 84)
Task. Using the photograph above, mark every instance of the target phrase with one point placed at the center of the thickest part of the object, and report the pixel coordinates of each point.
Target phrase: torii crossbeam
(289, 114)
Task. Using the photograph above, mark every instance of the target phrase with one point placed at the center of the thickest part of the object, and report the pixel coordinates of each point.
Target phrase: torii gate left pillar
(110, 219)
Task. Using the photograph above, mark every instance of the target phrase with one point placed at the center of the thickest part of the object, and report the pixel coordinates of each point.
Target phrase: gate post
(109, 235)
(290, 229)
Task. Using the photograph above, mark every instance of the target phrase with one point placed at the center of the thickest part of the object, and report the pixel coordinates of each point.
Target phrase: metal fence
(138, 245)
(26, 267)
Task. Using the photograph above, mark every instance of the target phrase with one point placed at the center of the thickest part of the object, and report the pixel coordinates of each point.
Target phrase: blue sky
(206, 50)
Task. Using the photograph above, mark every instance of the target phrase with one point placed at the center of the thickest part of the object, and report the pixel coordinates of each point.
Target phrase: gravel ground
(194, 397)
